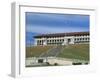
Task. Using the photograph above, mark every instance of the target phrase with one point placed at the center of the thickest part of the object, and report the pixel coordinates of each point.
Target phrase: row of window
(49, 41)
(62, 40)
(81, 39)
(59, 40)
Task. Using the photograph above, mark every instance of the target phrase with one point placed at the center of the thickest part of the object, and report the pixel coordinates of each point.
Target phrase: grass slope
(36, 50)
(76, 51)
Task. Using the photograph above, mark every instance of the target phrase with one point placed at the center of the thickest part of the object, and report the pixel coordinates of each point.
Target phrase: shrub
(55, 64)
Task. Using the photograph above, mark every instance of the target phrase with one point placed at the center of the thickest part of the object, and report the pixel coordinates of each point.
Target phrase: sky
(43, 23)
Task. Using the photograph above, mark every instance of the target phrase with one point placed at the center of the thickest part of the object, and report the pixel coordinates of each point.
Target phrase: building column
(35, 42)
(65, 41)
(45, 42)
(72, 40)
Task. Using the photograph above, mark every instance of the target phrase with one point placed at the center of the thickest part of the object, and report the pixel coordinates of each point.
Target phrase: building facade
(62, 38)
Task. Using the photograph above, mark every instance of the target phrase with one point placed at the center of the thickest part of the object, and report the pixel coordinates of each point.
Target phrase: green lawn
(76, 51)
(36, 50)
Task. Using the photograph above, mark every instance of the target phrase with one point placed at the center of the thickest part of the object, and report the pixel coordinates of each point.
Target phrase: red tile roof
(61, 34)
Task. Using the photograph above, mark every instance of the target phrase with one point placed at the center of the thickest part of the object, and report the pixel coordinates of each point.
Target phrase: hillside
(76, 51)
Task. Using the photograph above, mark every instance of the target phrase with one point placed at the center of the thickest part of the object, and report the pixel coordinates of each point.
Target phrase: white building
(62, 38)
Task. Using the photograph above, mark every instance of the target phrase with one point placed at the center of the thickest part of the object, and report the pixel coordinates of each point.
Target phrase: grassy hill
(35, 51)
(76, 51)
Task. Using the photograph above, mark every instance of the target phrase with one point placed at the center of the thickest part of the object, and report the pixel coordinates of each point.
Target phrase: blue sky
(42, 23)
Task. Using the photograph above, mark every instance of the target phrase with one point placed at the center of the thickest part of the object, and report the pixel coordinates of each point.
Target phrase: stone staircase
(54, 52)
